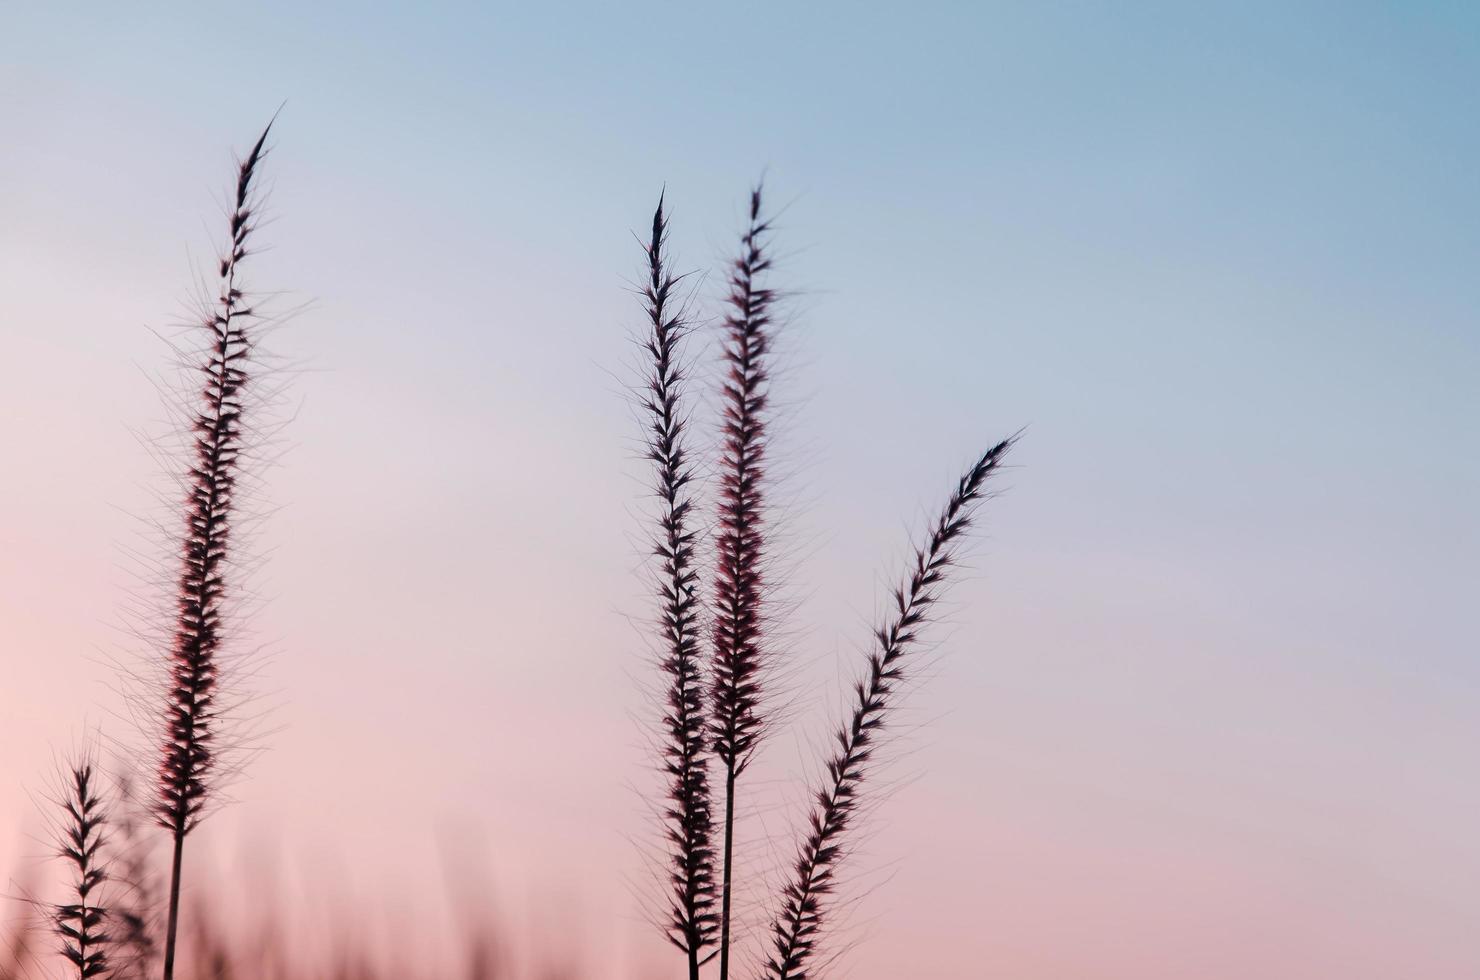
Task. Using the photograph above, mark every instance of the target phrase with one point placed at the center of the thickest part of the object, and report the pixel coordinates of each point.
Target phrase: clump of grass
(191, 715)
(691, 920)
(804, 900)
(80, 921)
(736, 719)
(740, 649)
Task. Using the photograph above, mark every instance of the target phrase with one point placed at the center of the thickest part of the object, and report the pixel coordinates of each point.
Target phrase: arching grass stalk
(804, 904)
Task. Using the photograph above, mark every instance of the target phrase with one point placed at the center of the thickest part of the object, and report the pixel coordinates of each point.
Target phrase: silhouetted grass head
(191, 703)
(690, 921)
(81, 921)
(804, 904)
(738, 628)
(192, 713)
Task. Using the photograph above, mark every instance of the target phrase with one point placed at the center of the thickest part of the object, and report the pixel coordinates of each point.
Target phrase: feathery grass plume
(804, 899)
(191, 717)
(691, 921)
(80, 922)
(738, 634)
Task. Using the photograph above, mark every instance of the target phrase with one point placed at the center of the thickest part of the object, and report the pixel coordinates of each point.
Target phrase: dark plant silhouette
(738, 634)
(691, 920)
(80, 922)
(740, 651)
(721, 709)
(191, 714)
(804, 900)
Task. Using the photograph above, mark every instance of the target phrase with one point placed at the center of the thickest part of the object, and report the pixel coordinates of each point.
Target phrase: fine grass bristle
(15, 953)
(805, 900)
(80, 921)
(736, 718)
(192, 719)
(691, 922)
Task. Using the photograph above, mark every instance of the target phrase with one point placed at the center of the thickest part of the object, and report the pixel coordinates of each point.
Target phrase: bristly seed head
(691, 921)
(795, 931)
(191, 714)
(738, 631)
(79, 923)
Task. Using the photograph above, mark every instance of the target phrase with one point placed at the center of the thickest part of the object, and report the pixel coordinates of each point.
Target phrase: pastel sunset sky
(1206, 706)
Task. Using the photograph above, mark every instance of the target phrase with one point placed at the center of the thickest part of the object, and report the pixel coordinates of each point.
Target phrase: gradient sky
(1208, 706)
